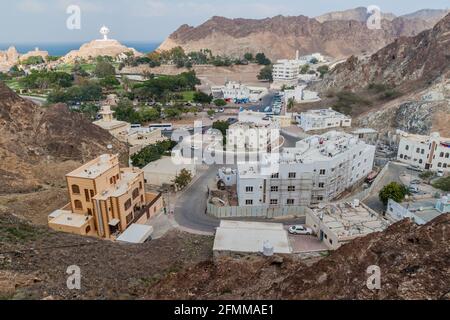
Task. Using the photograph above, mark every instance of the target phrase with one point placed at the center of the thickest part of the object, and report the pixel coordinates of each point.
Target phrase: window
(290, 201)
(75, 189)
(135, 193)
(439, 164)
(274, 189)
(420, 161)
(275, 176)
(320, 198)
(88, 229)
(322, 172)
(407, 147)
(248, 189)
(321, 185)
(92, 193)
(111, 181)
(418, 150)
(422, 151)
(273, 201)
(248, 202)
(292, 175)
(291, 188)
(128, 204)
(140, 185)
(401, 156)
(78, 205)
(441, 155)
(86, 195)
(129, 218)
(447, 155)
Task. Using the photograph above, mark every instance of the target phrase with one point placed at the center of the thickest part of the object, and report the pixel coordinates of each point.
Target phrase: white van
(440, 173)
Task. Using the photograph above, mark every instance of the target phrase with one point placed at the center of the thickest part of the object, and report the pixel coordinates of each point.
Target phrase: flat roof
(68, 218)
(96, 167)
(109, 125)
(249, 237)
(166, 165)
(345, 220)
(136, 233)
(127, 176)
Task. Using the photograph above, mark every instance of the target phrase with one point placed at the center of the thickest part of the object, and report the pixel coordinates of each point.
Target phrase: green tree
(323, 70)
(304, 69)
(109, 82)
(211, 113)
(202, 97)
(291, 103)
(394, 191)
(104, 69)
(220, 103)
(266, 73)
(183, 179)
(262, 59)
(443, 184)
(248, 56)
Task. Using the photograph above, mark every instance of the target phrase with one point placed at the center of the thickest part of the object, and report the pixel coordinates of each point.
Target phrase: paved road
(191, 206)
(392, 175)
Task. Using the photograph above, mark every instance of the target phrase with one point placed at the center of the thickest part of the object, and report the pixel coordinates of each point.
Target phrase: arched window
(447, 155)
(135, 193)
(439, 164)
(88, 229)
(75, 189)
(78, 205)
(128, 204)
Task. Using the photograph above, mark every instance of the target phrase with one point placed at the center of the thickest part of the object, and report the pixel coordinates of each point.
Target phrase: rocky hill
(358, 14)
(95, 48)
(414, 263)
(33, 138)
(281, 36)
(409, 62)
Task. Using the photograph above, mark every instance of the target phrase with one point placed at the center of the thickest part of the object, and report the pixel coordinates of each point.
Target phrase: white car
(300, 230)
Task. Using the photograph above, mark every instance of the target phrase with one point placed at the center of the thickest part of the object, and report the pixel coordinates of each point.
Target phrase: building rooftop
(68, 218)
(127, 177)
(324, 113)
(364, 131)
(249, 237)
(347, 220)
(320, 147)
(96, 167)
(136, 233)
(110, 124)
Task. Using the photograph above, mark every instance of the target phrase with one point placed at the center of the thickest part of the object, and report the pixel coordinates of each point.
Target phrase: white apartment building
(322, 119)
(253, 133)
(317, 170)
(236, 91)
(288, 71)
(299, 94)
(426, 152)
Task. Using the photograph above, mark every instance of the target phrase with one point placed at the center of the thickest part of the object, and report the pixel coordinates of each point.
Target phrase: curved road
(191, 205)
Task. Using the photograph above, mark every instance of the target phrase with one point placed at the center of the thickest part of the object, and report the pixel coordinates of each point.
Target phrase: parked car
(413, 189)
(416, 181)
(415, 168)
(221, 110)
(300, 230)
(440, 173)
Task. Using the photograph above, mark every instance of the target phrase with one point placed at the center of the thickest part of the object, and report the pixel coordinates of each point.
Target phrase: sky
(44, 21)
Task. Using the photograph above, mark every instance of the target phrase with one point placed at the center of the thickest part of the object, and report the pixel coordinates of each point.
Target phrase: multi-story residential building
(322, 119)
(105, 200)
(300, 95)
(426, 152)
(318, 169)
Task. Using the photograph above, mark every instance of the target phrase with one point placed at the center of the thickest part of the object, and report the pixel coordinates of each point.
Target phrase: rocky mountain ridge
(280, 36)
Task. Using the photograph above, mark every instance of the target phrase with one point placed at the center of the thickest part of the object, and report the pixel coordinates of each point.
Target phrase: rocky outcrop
(409, 63)
(357, 14)
(8, 58)
(280, 36)
(93, 49)
(33, 136)
(414, 262)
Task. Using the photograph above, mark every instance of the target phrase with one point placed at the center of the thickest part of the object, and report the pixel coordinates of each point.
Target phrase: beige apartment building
(105, 200)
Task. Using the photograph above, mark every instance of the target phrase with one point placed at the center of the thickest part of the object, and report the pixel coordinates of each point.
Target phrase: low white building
(300, 95)
(420, 211)
(250, 237)
(165, 170)
(426, 152)
(322, 119)
(337, 224)
(238, 92)
(317, 170)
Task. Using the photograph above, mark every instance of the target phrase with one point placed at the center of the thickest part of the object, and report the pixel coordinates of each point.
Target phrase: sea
(61, 49)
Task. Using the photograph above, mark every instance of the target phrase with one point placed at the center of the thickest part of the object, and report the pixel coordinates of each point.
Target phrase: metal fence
(255, 211)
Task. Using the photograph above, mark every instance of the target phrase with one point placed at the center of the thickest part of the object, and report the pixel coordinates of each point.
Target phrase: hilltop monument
(100, 47)
(104, 31)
